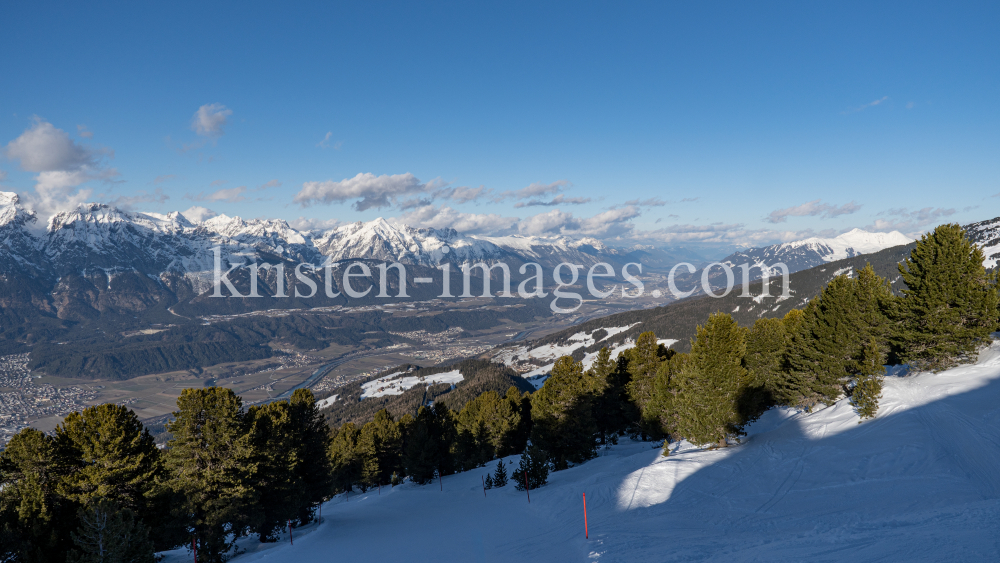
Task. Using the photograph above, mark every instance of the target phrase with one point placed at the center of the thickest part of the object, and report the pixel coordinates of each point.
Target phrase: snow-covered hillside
(919, 483)
(987, 235)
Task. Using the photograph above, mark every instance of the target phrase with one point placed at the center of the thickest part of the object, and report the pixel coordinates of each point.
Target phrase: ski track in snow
(919, 483)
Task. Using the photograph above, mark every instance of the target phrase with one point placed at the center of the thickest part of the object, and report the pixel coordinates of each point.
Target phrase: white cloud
(163, 178)
(908, 222)
(44, 148)
(228, 195)
(444, 217)
(812, 209)
(534, 190)
(369, 190)
(3, 175)
(82, 131)
(198, 214)
(62, 166)
(560, 199)
(614, 223)
(548, 223)
(651, 202)
(130, 202)
(210, 120)
(325, 143)
(463, 194)
(719, 233)
(871, 104)
(310, 224)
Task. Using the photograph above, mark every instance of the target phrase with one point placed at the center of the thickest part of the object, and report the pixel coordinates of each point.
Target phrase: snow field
(919, 483)
(388, 386)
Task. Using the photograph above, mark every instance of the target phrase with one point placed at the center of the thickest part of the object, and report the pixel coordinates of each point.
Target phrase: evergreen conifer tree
(422, 447)
(276, 462)
(211, 462)
(563, 420)
(868, 386)
(950, 304)
(492, 421)
(644, 362)
(710, 384)
(37, 520)
(663, 406)
(108, 534)
(345, 463)
(521, 404)
(489, 482)
(500, 475)
(115, 457)
(314, 473)
(380, 447)
(612, 408)
(828, 348)
(534, 466)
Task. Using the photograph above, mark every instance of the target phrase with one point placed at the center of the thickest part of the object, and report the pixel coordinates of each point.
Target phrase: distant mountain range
(845, 254)
(97, 260)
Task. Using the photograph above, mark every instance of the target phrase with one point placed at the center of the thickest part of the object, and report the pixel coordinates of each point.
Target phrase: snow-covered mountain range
(95, 251)
(810, 252)
(97, 238)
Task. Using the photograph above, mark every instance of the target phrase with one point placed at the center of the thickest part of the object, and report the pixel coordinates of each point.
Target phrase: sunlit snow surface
(323, 403)
(392, 384)
(919, 483)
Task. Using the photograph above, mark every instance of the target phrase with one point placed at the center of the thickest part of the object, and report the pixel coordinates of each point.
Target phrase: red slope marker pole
(586, 532)
(194, 547)
(526, 489)
(483, 479)
(290, 540)
(439, 482)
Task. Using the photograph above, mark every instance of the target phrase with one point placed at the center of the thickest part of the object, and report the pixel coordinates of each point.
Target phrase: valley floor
(919, 483)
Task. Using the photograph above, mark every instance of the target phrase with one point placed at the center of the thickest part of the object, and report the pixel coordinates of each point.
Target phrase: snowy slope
(987, 235)
(392, 384)
(919, 483)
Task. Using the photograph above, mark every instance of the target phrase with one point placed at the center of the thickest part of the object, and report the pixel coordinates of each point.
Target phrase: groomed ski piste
(921, 482)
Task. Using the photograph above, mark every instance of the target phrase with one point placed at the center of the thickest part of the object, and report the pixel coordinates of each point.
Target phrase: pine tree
(710, 384)
(533, 467)
(500, 475)
(380, 448)
(663, 406)
(314, 473)
(493, 422)
(644, 362)
(211, 462)
(520, 404)
(489, 481)
(115, 459)
(828, 348)
(422, 447)
(562, 413)
(275, 459)
(613, 411)
(767, 343)
(950, 304)
(868, 386)
(345, 463)
(109, 534)
(37, 520)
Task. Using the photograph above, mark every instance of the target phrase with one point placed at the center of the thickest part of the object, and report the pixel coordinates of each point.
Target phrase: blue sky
(671, 123)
